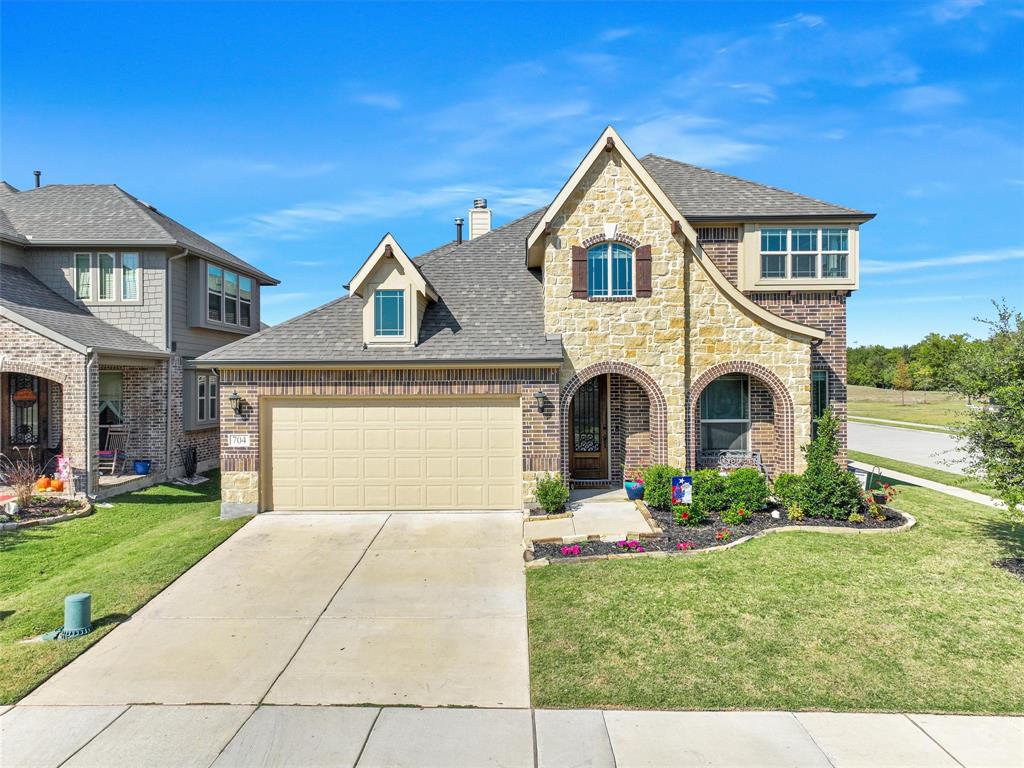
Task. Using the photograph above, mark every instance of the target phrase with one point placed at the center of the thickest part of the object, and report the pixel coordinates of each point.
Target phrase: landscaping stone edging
(84, 512)
(910, 522)
(528, 518)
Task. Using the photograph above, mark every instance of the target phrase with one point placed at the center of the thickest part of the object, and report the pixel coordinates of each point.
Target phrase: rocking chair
(112, 455)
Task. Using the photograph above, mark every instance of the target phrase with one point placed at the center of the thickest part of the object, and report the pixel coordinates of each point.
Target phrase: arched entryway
(737, 409)
(613, 415)
(32, 412)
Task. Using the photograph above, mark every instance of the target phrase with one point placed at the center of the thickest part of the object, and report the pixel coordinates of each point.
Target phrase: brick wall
(206, 441)
(241, 466)
(144, 396)
(630, 426)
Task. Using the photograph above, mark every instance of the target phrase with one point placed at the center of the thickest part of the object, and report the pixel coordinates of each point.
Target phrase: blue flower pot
(634, 491)
(142, 466)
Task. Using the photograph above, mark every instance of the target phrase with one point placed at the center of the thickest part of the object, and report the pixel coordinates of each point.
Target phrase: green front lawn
(917, 621)
(122, 556)
(928, 473)
(938, 408)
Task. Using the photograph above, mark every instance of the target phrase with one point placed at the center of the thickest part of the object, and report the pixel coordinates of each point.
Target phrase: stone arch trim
(7, 365)
(620, 237)
(658, 405)
(783, 402)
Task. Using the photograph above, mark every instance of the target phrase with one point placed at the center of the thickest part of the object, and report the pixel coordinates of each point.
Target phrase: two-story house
(105, 304)
(653, 312)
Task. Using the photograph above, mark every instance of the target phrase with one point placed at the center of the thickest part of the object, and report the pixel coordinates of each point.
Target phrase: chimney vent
(458, 230)
(479, 218)
(37, 174)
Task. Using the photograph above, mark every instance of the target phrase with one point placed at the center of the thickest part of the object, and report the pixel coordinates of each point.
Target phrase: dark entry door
(589, 431)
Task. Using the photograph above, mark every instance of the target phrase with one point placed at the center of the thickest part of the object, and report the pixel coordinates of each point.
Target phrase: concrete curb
(88, 510)
(528, 518)
(911, 521)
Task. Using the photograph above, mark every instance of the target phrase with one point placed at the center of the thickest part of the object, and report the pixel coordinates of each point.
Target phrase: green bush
(658, 485)
(552, 493)
(787, 489)
(688, 514)
(747, 489)
(736, 516)
(826, 489)
(794, 513)
(709, 492)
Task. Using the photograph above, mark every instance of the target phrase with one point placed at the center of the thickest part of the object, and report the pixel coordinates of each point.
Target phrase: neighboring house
(105, 302)
(653, 312)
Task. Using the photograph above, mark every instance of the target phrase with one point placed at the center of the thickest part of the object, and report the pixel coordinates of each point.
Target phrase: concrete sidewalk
(961, 493)
(225, 736)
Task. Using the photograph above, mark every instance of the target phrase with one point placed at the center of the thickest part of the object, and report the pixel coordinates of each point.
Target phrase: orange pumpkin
(57, 486)
(42, 484)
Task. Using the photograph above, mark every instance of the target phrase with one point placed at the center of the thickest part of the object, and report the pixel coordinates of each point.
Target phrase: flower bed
(711, 533)
(43, 510)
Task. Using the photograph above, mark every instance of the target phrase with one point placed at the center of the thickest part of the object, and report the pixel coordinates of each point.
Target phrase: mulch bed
(48, 506)
(703, 536)
(1014, 565)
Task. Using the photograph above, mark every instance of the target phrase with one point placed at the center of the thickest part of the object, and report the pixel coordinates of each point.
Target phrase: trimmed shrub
(826, 489)
(709, 492)
(658, 485)
(552, 493)
(736, 516)
(688, 514)
(747, 490)
(787, 489)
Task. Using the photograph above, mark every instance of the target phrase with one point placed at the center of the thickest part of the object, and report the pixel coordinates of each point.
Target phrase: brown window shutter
(579, 272)
(643, 270)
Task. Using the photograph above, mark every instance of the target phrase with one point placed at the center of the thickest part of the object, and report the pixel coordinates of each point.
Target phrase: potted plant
(884, 494)
(633, 482)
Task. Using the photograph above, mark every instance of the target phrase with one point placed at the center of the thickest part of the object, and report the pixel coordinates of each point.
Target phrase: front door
(588, 426)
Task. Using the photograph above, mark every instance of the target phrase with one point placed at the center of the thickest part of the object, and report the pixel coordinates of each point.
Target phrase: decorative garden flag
(682, 490)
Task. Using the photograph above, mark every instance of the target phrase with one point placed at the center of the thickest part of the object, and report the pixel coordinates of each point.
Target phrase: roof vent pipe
(480, 202)
(37, 174)
(458, 230)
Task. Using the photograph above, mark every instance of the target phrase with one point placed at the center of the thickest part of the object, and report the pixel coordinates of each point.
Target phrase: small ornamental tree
(827, 489)
(901, 380)
(992, 370)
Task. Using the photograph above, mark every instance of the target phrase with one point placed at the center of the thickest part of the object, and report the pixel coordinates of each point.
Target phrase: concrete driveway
(917, 446)
(408, 609)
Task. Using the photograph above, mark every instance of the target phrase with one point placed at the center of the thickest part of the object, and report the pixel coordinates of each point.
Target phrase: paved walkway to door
(410, 609)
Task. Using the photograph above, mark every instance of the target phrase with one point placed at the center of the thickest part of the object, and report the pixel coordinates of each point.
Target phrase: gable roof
(389, 247)
(102, 214)
(26, 301)
(703, 194)
(490, 309)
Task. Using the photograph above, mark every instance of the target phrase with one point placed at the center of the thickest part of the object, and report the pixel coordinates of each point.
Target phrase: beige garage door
(395, 454)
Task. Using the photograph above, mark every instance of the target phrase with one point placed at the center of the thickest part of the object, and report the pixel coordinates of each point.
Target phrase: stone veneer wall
(630, 426)
(240, 467)
(687, 325)
(25, 351)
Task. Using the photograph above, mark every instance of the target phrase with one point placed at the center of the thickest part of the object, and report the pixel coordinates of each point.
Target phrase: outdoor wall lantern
(236, 402)
(540, 400)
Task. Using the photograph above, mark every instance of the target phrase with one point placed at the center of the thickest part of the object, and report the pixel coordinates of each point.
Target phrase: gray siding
(12, 254)
(145, 319)
(192, 341)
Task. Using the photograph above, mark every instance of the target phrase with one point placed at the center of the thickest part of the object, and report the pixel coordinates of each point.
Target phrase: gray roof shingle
(24, 294)
(699, 193)
(490, 308)
(103, 213)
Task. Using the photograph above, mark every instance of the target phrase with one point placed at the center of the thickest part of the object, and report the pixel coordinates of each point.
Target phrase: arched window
(610, 270)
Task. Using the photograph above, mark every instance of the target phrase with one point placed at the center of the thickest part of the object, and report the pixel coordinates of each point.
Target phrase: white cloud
(617, 33)
(383, 100)
(928, 189)
(692, 139)
(926, 98)
(808, 20)
(277, 169)
(876, 267)
(954, 10)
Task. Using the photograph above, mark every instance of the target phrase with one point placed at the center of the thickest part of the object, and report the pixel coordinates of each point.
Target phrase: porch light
(236, 402)
(539, 395)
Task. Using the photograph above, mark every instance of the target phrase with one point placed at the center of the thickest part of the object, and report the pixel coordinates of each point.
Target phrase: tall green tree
(992, 370)
(901, 380)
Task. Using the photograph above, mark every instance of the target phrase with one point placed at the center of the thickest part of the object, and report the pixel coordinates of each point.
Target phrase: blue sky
(297, 134)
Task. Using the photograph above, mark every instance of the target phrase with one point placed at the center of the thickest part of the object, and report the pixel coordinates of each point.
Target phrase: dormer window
(388, 312)
(610, 270)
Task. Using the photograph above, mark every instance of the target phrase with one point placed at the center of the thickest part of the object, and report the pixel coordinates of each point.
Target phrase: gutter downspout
(90, 364)
(168, 316)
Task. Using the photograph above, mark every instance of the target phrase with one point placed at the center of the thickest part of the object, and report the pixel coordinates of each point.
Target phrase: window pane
(244, 313)
(230, 310)
(725, 398)
(111, 395)
(805, 265)
(773, 265)
(106, 263)
(245, 288)
(805, 240)
(213, 310)
(212, 392)
(83, 276)
(833, 265)
(201, 398)
(724, 436)
(389, 313)
(213, 279)
(129, 276)
(622, 270)
(230, 284)
(214, 286)
(773, 240)
(819, 392)
(597, 270)
(834, 240)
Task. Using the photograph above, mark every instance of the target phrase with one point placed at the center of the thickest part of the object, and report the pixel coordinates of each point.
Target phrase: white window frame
(377, 293)
(819, 253)
(88, 272)
(704, 451)
(224, 272)
(207, 392)
(93, 272)
(136, 272)
(610, 259)
(113, 277)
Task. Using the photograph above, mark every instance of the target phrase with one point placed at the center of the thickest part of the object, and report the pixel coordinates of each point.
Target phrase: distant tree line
(933, 363)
